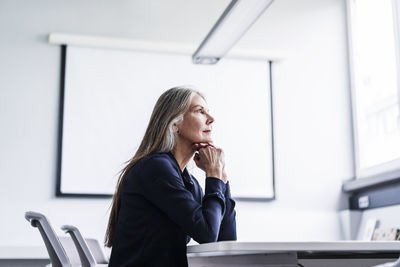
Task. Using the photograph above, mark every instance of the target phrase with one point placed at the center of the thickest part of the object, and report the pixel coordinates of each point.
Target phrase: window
(375, 66)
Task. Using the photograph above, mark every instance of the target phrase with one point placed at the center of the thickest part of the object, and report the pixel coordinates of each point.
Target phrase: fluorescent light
(230, 27)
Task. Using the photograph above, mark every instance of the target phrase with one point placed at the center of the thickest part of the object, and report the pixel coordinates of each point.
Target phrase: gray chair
(97, 251)
(57, 254)
(69, 247)
(89, 250)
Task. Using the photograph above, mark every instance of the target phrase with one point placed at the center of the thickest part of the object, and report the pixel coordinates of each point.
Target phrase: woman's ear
(175, 128)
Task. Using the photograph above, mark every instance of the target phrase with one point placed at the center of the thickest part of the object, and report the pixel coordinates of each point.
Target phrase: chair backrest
(70, 250)
(87, 259)
(97, 251)
(57, 255)
(73, 255)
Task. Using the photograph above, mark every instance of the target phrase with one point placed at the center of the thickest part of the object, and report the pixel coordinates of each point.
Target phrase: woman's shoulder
(156, 161)
(156, 158)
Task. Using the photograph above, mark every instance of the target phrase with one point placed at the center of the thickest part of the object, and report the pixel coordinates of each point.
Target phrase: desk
(308, 254)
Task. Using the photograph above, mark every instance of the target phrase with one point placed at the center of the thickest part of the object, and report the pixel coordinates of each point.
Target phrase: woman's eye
(200, 110)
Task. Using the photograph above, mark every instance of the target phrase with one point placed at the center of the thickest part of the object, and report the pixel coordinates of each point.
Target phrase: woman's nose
(210, 119)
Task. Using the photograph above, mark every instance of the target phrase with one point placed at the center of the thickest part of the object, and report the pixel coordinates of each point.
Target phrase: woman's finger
(211, 144)
(197, 146)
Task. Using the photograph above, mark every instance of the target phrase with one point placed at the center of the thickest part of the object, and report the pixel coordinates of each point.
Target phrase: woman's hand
(224, 175)
(211, 160)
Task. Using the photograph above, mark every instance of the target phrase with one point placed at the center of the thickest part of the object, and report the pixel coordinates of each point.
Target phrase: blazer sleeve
(228, 225)
(164, 187)
(227, 229)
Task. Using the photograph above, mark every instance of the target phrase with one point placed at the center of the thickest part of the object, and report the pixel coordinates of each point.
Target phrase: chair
(58, 257)
(70, 249)
(97, 251)
(89, 250)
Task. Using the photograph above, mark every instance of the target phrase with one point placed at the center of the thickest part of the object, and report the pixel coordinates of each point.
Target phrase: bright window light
(375, 85)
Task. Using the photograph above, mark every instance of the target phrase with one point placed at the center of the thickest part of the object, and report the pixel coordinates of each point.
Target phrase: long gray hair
(159, 137)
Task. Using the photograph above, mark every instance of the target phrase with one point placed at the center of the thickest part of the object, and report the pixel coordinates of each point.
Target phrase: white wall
(312, 113)
(312, 117)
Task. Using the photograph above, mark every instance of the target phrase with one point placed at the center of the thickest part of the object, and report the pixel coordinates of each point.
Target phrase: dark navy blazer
(162, 207)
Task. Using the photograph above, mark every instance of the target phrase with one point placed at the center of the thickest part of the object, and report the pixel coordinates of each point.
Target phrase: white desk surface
(234, 247)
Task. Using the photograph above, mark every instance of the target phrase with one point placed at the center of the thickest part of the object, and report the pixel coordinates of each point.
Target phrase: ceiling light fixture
(230, 27)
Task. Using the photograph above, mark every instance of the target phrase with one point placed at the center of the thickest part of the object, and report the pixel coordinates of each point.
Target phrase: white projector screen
(109, 96)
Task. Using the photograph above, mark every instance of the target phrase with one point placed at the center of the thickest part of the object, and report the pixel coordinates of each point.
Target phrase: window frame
(380, 175)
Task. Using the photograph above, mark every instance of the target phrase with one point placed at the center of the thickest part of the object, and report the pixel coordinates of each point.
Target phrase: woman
(158, 205)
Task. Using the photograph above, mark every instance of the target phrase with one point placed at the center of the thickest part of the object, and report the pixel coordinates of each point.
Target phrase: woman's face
(196, 125)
